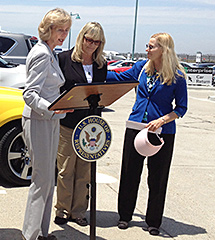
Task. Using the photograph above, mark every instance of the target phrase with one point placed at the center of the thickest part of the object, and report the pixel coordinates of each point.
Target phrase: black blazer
(74, 73)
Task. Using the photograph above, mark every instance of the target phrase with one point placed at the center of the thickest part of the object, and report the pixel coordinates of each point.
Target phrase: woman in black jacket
(85, 63)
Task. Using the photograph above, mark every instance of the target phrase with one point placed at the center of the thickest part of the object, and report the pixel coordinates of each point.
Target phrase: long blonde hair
(55, 17)
(170, 62)
(95, 31)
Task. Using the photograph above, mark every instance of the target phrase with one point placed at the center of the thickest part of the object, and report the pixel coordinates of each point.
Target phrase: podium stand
(92, 96)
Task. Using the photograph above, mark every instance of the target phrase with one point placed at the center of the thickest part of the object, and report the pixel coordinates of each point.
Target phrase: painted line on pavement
(104, 178)
(202, 99)
(3, 192)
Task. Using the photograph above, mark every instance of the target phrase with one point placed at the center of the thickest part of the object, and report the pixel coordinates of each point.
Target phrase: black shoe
(60, 221)
(153, 231)
(50, 237)
(80, 221)
(122, 225)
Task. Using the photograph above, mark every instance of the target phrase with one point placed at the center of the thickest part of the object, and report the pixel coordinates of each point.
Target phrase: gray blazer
(44, 79)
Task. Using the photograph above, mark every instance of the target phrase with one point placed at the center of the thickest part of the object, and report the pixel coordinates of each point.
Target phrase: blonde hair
(170, 62)
(55, 17)
(95, 31)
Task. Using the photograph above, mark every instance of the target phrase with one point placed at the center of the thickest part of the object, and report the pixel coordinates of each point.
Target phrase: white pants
(42, 137)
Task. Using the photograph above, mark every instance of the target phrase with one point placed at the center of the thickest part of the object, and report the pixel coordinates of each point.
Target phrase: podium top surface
(75, 98)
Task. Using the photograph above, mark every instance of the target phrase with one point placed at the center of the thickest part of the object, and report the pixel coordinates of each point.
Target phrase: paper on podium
(76, 97)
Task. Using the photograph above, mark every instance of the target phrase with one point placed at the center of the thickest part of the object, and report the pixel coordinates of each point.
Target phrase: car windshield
(187, 65)
(206, 65)
(115, 63)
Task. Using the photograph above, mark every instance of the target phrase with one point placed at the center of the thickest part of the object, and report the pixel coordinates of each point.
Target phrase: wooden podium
(92, 96)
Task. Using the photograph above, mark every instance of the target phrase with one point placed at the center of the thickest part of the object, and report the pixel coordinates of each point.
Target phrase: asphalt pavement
(189, 209)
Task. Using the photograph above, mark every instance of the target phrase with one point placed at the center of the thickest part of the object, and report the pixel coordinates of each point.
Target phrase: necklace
(88, 69)
(152, 79)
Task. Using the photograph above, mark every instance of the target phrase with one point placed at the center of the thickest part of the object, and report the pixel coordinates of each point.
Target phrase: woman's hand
(63, 111)
(155, 124)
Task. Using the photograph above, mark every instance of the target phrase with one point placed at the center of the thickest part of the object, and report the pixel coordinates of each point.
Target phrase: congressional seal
(91, 138)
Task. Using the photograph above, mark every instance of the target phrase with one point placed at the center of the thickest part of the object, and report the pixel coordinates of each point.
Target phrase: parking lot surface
(189, 210)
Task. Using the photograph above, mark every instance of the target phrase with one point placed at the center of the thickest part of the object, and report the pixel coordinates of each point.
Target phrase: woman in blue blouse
(161, 98)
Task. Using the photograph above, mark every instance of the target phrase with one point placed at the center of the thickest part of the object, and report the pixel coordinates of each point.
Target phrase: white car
(121, 63)
(14, 47)
(12, 75)
(187, 65)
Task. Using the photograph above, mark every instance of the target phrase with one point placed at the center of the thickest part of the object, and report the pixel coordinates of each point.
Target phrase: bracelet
(162, 118)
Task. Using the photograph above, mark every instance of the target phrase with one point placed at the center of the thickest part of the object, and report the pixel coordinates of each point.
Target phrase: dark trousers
(158, 171)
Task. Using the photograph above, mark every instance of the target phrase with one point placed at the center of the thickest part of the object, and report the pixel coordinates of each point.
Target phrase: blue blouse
(161, 100)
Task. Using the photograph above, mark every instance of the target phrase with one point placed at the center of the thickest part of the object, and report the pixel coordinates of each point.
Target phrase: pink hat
(143, 146)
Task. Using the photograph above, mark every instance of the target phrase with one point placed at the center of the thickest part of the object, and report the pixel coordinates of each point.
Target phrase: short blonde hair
(170, 63)
(95, 31)
(55, 17)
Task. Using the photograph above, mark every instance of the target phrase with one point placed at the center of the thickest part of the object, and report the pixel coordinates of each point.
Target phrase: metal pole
(135, 23)
(70, 30)
(69, 39)
(93, 100)
(93, 202)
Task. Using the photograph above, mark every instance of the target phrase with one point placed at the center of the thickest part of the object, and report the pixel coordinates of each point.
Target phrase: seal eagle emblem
(91, 138)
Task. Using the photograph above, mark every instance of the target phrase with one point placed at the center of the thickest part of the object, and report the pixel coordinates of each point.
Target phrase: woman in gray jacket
(41, 126)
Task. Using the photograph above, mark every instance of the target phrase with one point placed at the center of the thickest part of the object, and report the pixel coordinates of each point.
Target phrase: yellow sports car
(15, 164)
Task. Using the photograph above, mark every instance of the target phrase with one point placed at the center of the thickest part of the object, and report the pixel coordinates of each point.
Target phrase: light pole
(135, 23)
(70, 31)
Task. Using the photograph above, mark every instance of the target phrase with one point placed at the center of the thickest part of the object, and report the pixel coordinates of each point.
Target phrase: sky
(191, 23)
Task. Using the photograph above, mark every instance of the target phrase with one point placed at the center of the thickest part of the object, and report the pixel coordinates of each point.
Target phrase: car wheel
(14, 158)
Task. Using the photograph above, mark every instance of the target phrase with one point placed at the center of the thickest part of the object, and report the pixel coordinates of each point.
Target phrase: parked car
(121, 63)
(15, 164)
(12, 74)
(111, 61)
(120, 69)
(187, 65)
(213, 76)
(14, 47)
(204, 65)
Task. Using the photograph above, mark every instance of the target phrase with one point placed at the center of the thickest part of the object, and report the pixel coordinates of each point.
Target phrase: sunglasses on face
(91, 41)
(150, 46)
